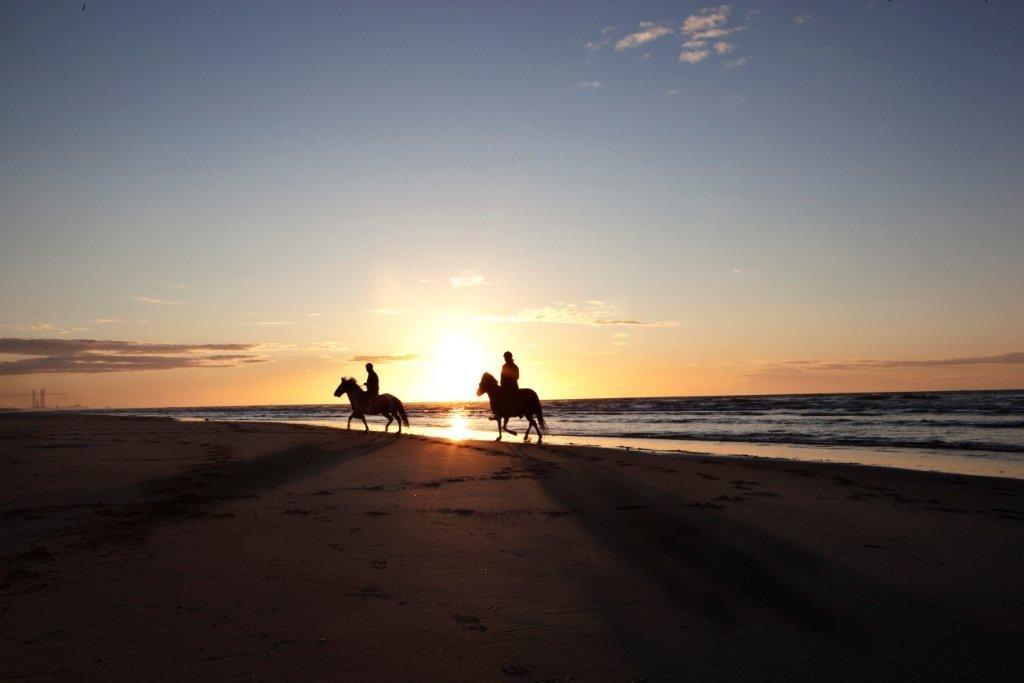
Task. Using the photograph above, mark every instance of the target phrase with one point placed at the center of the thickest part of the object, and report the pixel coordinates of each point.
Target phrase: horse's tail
(540, 412)
(401, 412)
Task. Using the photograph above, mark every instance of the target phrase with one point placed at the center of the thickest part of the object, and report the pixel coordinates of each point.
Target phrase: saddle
(374, 404)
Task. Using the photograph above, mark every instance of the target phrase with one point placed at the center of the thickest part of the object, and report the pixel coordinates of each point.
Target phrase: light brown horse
(387, 405)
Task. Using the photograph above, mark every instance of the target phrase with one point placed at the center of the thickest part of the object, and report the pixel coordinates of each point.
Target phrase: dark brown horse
(385, 404)
(516, 403)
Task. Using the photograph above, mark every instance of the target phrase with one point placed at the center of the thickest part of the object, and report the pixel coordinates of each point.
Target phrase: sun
(456, 364)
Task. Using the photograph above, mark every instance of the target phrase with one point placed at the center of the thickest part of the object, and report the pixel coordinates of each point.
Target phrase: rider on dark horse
(509, 379)
(372, 386)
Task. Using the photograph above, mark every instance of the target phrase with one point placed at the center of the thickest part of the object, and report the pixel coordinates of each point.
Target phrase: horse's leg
(399, 418)
(349, 427)
(529, 426)
(366, 426)
(505, 427)
(387, 425)
(497, 421)
(536, 428)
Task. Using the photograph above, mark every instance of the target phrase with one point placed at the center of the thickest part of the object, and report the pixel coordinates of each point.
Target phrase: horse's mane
(355, 384)
(487, 376)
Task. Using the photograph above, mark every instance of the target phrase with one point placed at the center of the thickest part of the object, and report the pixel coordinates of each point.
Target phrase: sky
(239, 202)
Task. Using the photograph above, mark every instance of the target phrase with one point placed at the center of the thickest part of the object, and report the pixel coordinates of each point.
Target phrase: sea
(966, 432)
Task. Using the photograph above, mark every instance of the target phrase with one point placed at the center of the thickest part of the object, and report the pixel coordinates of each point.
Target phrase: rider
(509, 374)
(372, 385)
(509, 377)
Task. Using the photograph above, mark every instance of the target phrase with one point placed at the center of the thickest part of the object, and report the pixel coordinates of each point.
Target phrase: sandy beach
(145, 547)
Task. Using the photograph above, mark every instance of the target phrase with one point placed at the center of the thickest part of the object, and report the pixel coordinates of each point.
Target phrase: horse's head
(487, 383)
(346, 384)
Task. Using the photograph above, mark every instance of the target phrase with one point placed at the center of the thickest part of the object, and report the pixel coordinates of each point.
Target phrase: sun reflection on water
(458, 426)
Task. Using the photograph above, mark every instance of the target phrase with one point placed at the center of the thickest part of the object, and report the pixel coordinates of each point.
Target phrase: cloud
(693, 56)
(272, 323)
(47, 327)
(590, 85)
(384, 358)
(801, 18)
(386, 311)
(593, 46)
(649, 31)
(107, 321)
(1014, 358)
(672, 91)
(152, 300)
(735, 63)
(707, 18)
(591, 313)
(97, 356)
(467, 279)
(312, 315)
(710, 23)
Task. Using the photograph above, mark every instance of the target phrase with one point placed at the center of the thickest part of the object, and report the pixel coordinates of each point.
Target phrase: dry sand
(143, 547)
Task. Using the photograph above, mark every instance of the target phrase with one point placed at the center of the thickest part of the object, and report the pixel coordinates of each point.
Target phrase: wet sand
(136, 547)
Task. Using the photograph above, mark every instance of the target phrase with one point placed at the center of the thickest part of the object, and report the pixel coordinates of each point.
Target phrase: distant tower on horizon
(42, 398)
(34, 404)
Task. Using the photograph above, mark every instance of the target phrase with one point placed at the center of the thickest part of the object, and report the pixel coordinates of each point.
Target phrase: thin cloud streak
(48, 356)
(385, 358)
(467, 279)
(649, 31)
(1013, 358)
(592, 313)
(153, 300)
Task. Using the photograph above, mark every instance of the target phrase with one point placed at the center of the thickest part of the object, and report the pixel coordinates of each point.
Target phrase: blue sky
(843, 181)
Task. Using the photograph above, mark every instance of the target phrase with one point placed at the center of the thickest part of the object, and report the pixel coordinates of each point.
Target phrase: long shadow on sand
(690, 556)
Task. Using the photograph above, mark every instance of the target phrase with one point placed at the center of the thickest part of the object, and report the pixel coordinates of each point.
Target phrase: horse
(521, 403)
(387, 405)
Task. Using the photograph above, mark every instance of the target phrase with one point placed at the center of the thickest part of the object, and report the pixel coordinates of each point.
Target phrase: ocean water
(972, 432)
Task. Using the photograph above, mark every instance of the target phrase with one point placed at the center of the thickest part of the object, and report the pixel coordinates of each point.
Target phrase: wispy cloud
(467, 279)
(672, 92)
(48, 356)
(594, 45)
(590, 313)
(590, 85)
(648, 32)
(386, 311)
(1014, 358)
(710, 23)
(735, 63)
(107, 321)
(47, 327)
(272, 323)
(801, 18)
(153, 300)
(707, 19)
(385, 358)
(693, 56)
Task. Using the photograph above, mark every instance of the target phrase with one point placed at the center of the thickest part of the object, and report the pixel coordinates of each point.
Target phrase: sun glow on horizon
(455, 367)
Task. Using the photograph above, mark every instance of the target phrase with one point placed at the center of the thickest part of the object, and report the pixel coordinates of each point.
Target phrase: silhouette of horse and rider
(507, 401)
(371, 401)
